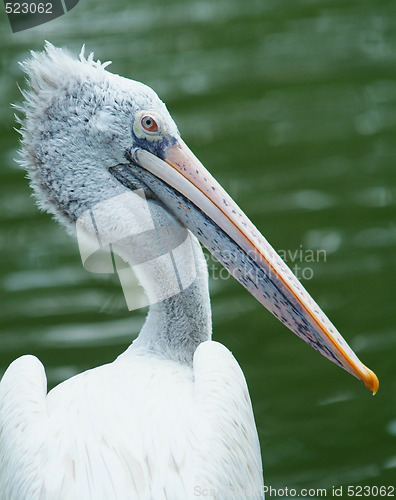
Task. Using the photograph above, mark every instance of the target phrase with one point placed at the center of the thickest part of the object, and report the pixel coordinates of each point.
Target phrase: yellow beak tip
(371, 381)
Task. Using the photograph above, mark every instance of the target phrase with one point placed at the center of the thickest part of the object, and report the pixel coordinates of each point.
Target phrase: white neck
(169, 264)
(176, 325)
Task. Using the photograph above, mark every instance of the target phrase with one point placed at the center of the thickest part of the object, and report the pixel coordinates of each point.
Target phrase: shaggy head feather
(78, 122)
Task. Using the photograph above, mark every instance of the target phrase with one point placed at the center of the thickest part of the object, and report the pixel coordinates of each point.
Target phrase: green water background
(292, 106)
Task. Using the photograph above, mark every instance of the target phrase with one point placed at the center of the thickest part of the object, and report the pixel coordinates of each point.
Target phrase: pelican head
(81, 121)
(90, 135)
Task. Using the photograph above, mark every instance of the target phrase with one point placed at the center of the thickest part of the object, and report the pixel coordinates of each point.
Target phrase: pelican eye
(149, 124)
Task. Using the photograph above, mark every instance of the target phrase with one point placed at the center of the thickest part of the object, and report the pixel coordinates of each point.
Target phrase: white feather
(138, 428)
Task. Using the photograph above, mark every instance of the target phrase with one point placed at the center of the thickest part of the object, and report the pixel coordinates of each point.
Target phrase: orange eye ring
(149, 124)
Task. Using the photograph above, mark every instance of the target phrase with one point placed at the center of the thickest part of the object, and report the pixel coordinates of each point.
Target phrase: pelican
(171, 417)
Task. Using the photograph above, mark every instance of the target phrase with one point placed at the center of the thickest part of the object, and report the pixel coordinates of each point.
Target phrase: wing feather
(229, 435)
(22, 425)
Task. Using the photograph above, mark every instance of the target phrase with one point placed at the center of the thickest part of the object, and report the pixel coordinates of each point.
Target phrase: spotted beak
(186, 188)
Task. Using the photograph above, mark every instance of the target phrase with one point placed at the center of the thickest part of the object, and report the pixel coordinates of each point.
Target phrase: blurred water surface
(292, 106)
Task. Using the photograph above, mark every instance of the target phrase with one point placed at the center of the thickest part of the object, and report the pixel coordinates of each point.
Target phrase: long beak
(263, 274)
